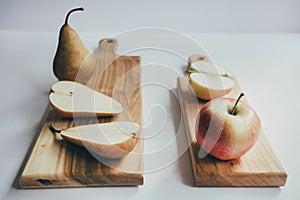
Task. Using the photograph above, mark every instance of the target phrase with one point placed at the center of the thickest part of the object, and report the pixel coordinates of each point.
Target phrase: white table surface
(267, 67)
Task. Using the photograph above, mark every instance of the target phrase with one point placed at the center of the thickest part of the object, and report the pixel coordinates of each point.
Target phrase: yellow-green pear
(72, 60)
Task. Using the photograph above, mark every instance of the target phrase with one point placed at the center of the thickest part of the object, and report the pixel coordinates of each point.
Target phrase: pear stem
(73, 10)
(235, 105)
(53, 130)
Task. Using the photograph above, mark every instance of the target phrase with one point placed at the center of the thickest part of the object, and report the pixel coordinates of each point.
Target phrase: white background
(257, 41)
(186, 16)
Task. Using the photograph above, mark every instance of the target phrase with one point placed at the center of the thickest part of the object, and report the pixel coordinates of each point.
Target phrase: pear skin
(110, 140)
(72, 60)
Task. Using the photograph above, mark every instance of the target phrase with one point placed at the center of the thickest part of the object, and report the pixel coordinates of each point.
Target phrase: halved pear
(109, 140)
(210, 86)
(209, 68)
(74, 99)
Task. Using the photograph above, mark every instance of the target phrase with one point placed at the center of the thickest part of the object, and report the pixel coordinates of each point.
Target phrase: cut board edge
(51, 181)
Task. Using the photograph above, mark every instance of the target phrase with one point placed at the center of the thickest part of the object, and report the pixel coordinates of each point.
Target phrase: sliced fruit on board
(109, 140)
(74, 99)
(209, 68)
(210, 86)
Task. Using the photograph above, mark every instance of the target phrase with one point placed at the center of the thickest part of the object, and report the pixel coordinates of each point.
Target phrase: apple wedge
(209, 86)
(209, 68)
(74, 99)
(110, 140)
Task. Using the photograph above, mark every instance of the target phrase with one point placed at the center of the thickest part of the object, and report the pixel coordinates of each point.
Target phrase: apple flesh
(209, 68)
(210, 86)
(227, 130)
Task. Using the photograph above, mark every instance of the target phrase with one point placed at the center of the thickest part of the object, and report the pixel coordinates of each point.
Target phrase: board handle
(105, 54)
(107, 48)
(196, 58)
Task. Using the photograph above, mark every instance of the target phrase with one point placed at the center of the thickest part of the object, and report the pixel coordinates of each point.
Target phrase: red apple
(227, 128)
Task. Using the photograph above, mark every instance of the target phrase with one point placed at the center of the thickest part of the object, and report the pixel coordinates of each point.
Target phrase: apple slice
(74, 99)
(109, 140)
(209, 86)
(209, 68)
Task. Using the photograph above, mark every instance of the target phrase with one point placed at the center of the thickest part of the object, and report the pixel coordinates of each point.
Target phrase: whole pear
(72, 60)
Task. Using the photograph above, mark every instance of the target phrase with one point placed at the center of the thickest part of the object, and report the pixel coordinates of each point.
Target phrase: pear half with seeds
(75, 99)
(110, 140)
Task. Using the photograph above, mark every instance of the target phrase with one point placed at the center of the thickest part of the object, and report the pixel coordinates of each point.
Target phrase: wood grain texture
(55, 162)
(257, 168)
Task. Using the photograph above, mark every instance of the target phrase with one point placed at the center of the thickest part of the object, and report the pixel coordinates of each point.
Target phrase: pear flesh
(72, 60)
(110, 140)
(210, 86)
(75, 99)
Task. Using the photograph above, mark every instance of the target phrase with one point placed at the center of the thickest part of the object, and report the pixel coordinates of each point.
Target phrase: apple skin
(223, 135)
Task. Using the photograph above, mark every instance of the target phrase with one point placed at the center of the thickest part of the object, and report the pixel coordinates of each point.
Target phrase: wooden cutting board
(54, 162)
(257, 168)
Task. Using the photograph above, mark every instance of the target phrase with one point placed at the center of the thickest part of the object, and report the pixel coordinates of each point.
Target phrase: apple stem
(73, 10)
(53, 130)
(235, 105)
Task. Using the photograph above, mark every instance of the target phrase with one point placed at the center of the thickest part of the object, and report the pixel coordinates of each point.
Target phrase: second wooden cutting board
(257, 168)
